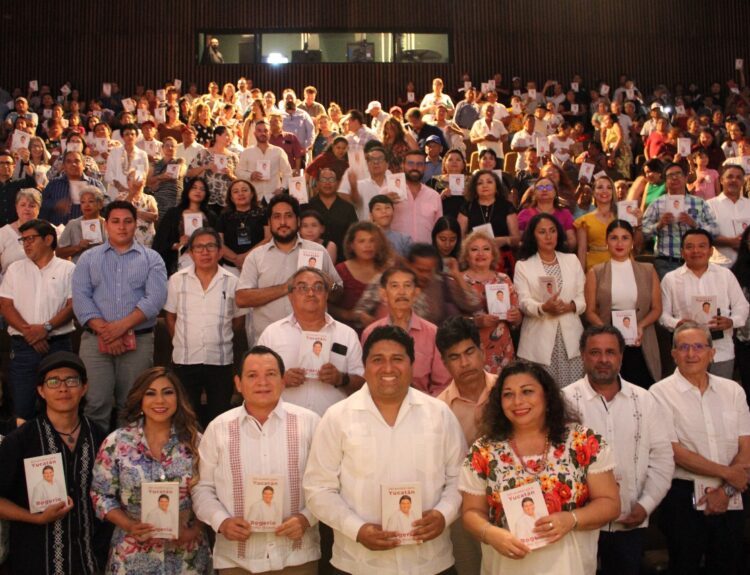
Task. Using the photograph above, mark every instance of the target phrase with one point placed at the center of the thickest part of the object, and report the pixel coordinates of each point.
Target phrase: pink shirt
(468, 412)
(415, 217)
(428, 372)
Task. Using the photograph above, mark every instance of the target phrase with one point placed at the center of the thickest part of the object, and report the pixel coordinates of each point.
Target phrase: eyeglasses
(675, 175)
(28, 239)
(545, 188)
(376, 160)
(329, 179)
(55, 382)
(304, 288)
(200, 248)
(696, 347)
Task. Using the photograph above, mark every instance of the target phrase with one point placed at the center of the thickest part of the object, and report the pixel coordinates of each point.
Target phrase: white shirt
(10, 250)
(285, 337)
(281, 171)
(521, 139)
(368, 189)
(726, 211)
(678, 288)
(263, 450)
(268, 266)
(188, 154)
(161, 520)
(355, 452)
(480, 129)
(709, 424)
(203, 331)
(634, 427)
(118, 167)
(39, 294)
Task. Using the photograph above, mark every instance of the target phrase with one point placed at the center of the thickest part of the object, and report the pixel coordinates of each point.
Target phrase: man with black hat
(65, 537)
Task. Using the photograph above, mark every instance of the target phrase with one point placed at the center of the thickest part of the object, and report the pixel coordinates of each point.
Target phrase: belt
(143, 331)
(49, 339)
(670, 259)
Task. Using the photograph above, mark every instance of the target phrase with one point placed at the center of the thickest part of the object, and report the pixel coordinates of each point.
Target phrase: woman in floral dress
(480, 256)
(159, 443)
(528, 436)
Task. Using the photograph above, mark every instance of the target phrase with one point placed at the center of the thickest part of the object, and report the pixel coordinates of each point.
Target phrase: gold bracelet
(575, 519)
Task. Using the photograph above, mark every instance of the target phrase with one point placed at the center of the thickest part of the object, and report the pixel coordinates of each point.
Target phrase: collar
(452, 392)
(134, 246)
(220, 273)
(590, 393)
(361, 400)
(414, 322)
(684, 269)
(279, 412)
(291, 320)
(683, 385)
(298, 243)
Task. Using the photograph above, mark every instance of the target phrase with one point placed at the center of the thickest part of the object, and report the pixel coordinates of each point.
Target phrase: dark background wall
(132, 42)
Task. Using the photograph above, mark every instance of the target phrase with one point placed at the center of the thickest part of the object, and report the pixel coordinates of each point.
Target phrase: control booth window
(254, 47)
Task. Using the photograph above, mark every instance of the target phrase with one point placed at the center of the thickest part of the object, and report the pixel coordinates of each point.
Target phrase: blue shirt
(301, 125)
(59, 189)
(109, 285)
(669, 238)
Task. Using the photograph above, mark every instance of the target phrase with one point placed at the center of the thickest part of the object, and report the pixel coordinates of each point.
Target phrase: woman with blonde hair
(159, 443)
(591, 228)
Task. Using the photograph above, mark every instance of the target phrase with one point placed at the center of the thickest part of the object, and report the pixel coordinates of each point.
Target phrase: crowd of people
(444, 310)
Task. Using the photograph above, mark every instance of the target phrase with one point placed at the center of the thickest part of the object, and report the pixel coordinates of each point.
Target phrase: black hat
(61, 359)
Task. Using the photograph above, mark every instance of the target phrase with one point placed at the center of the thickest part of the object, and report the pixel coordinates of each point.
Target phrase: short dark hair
(655, 165)
(163, 496)
(204, 231)
(120, 205)
(669, 165)
(726, 167)
(260, 350)
(133, 127)
(528, 242)
(390, 333)
(43, 228)
(594, 330)
(455, 330)
(422, 251)
(312, 214)
(696, 232)
(284, 199)
(387, 274)
(356, 115)
(404, 497)
(379, 199)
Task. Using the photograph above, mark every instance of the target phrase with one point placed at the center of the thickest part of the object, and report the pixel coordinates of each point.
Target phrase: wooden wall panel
(656, 41)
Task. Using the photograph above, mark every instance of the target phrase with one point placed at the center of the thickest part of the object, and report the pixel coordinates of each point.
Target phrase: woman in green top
(648, 186)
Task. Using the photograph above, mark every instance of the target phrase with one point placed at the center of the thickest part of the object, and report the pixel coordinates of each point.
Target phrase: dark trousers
(692, 535)
(24, 361)
(634, 368)
(215, 380)
(620, 552)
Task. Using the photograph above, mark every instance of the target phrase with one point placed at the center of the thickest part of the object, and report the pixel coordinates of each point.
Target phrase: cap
(372, 105)
(61, 359)
(432, 140)
(656, 106)
(148, 123)
(395, 109)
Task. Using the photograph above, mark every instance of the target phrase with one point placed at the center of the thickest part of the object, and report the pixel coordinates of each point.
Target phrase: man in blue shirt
(118, 290)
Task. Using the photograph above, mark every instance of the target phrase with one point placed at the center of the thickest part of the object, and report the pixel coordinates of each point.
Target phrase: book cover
(221, 161)
(173, 170)
(523, 506)
(160, 507)
(19, 140)
(298, 189)
(586, 172)
(310, 259)
(191, 223)
(498, 299)
(740, 225)
(675, 204)
(485, 229)
(548, 287)
(703, 308)
(396, 185)
(45, 481)
(626, 210)
(263, 167)
(314, 353)
(625, 321)
(401, 507)
(91, 230)
(264, 502)
(683, 146)
(456, 183)
(701, 487)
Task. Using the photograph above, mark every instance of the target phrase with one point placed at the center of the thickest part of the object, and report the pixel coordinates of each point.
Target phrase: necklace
(486, 211)
(68, 437)
(549, 263)
(542, 463)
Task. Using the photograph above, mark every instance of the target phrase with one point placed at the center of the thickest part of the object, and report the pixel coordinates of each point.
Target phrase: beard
(284, 238)
(413, 176)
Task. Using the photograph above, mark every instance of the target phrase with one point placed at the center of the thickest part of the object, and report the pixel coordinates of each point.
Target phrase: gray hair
(322, 275)
(30, 194)
(688, 325)
(94, 191)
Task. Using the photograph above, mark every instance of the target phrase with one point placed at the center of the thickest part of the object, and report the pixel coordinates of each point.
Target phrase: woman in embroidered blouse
(159, 443)
(529, 436)
(479, 257)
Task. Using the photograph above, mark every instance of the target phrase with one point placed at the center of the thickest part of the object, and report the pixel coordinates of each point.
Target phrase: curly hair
(496, 426)
(470, 240)
(184, 420)
(383, 253)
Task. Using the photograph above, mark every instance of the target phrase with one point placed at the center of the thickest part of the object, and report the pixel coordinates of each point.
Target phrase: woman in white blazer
(550, 286)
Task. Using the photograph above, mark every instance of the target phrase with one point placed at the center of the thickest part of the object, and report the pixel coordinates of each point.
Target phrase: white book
(485, 229)
(501, 111)
(129, 105)
(101, 145)
(630, 93)
(457, 184)
(177, 84)
(516, 108)
(73, 147)
(547, 287)
(734, 90)
(160, 115)
(19, 140)
(600, 174)
(574, 109)
(298, 189)
(47, 113)
(467, 86)
(65, 90)
(401, 506)
(91, 230)
(161, 95)
(310, 259)
(739, 63)
(160, 508)
(523, 506)
(701, 486)
(410, 96)
(586, 172)
(107, 89)
(45, 481)
(491, 84)
(626, 210)
(625, 321)
(498, 299)
(221, 161)
(263, 167)
(703, 308)
(264, 502)
(679, 110)
(675, 204)
(683, 146)
(396, 184)
(34, 85)
(604, 90)
(542, 145)
(314, 353)
(173, 170)
(142, 115)
(191, 223)
(485, 87)
(740, 225)
(532, 94)
(574, 86)
(152, 147)
(517, 92)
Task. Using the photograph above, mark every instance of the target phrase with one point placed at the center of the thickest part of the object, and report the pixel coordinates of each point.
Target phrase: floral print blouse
(218, 183)
(123, 463)
(492, 467)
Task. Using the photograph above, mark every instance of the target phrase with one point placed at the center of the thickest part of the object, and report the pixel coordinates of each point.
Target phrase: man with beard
(416, 215)
(249, 165)
(632, 421)
(211, 54)
(263, 281)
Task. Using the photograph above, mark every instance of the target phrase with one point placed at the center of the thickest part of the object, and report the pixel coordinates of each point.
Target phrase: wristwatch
(729, 491)
(48, 327)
